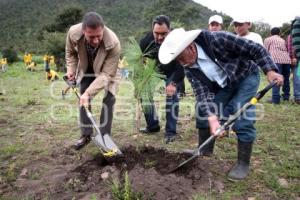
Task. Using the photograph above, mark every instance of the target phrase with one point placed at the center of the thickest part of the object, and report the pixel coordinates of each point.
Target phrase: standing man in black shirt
(174, 79)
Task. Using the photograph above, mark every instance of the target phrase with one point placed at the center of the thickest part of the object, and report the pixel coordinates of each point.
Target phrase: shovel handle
(72, 84)
(253, 101)
(262, 93)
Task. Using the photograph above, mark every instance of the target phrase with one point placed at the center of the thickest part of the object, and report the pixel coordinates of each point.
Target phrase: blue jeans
(296, 82)
(172, 110)
(284, 69)
(229, 100)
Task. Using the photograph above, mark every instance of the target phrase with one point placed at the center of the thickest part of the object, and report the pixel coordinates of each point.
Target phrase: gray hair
(92, 20)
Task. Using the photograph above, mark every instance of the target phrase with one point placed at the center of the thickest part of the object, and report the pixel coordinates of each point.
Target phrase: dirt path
(65, 175)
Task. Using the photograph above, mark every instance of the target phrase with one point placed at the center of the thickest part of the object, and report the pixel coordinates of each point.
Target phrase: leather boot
(84, 140)
(241, 168)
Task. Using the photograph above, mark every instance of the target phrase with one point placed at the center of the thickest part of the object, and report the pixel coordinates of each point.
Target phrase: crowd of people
(223, 69)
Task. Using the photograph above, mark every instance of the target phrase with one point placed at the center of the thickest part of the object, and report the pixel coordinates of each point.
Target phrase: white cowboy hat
(175, 42)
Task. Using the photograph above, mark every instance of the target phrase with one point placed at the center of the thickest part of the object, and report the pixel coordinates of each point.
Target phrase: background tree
(54, 35)
(226, 22)
(64, 20)
(54, 44)
(285, 30)
(10, 54)
(188, 13)
(262, 29)
(126, 18)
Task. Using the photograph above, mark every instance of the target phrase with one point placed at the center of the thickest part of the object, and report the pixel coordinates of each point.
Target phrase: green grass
(34, 119)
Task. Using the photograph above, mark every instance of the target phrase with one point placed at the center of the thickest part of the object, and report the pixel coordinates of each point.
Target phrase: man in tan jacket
(92, 56)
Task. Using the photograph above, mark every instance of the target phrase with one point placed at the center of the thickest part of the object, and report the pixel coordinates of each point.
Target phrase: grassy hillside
(22, 20)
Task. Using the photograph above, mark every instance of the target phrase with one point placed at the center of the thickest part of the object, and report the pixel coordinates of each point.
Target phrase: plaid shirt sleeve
(246, 49)
(205, 98)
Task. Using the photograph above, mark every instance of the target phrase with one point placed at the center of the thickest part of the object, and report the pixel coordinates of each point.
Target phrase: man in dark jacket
(223, 70)
(174, 79)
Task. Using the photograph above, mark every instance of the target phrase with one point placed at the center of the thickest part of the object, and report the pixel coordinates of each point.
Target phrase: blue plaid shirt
(236, 56)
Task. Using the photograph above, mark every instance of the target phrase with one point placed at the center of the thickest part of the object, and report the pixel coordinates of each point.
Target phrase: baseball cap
(215, 18)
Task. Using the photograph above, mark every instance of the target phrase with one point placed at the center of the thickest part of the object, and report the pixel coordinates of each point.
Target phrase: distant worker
(31, 67)
(242, 28)
(215, 23)
(123, 66)
(51, 75)
(27, 59)
(277, 47)
(3, 63)
(47, 59)
(52, 60)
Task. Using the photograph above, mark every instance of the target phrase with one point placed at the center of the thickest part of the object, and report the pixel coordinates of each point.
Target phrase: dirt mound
(67, 174)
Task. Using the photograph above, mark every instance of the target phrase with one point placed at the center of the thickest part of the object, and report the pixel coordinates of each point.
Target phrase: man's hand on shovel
(84, 100)
(215, 126)
(70, 76)
(273, 76)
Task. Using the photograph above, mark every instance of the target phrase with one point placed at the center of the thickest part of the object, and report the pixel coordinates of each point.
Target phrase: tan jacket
(106, 62)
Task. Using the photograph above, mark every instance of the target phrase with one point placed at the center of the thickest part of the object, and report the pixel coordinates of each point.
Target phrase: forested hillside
(22, 21)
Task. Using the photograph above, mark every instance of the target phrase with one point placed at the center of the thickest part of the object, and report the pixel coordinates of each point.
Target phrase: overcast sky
(274, 13)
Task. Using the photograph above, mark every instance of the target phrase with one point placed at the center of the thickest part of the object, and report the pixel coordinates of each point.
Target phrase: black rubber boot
(208, 149)
(203, 135)
(241, 168)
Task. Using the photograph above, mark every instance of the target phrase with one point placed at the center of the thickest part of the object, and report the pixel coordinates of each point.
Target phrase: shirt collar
(201, 54)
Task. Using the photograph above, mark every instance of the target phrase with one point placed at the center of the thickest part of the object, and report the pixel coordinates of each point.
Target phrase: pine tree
(145, 76)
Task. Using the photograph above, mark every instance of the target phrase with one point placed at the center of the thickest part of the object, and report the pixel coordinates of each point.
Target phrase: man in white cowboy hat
(223, 71)
(242, 28)
(215, 23)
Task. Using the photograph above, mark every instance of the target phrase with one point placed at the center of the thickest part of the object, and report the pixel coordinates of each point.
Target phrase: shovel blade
(184, 163)
(108, 145)
(197, 152)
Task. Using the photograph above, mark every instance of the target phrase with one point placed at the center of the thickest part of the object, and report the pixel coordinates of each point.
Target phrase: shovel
(104, 142)
(64, 92)
(229, 122)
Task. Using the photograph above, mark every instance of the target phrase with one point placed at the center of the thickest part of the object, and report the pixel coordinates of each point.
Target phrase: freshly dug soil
(67, 174)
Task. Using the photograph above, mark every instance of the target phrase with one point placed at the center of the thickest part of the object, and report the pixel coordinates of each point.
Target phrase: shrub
(10, 54)
(55, 45)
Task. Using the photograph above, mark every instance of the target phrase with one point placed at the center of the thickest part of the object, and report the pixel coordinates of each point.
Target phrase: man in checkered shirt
(223, 70)
(277, 47)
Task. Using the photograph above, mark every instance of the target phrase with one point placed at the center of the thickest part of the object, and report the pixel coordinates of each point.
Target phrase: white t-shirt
(254, 37)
